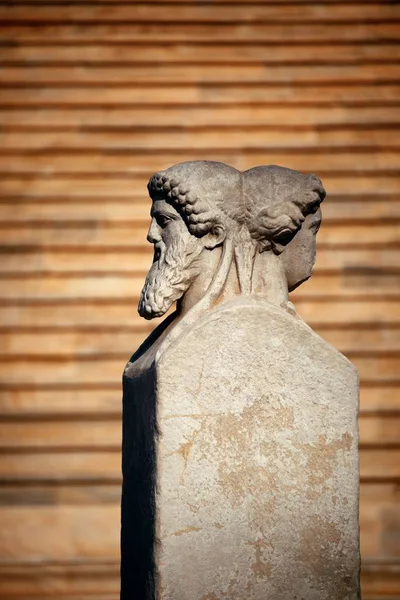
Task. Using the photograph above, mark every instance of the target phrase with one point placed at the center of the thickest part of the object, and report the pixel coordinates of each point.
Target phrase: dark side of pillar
(139, 439)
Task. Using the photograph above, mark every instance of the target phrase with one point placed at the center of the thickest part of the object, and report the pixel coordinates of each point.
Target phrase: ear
(214, 238)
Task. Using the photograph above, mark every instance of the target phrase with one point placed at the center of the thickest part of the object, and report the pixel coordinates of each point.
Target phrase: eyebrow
(161, 211)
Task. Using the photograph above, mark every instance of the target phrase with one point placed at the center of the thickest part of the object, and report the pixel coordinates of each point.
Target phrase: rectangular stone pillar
(241, 464)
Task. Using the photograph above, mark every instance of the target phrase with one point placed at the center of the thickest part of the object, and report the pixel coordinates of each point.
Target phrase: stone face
(240, 464)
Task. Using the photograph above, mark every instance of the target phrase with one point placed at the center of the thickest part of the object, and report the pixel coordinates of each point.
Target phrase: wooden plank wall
(95, 97)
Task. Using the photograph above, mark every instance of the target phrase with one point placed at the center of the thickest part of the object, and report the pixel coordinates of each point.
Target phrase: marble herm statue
(240, 464)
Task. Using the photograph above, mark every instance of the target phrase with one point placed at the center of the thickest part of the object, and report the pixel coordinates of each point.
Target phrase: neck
(269, 279)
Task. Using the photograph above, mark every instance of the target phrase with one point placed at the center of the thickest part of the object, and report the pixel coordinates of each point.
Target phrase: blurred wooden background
(95, 97)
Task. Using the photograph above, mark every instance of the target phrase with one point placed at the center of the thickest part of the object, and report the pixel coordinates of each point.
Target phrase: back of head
(278, 200)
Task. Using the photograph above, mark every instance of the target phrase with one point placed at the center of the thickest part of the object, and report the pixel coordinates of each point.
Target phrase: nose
(153, 235)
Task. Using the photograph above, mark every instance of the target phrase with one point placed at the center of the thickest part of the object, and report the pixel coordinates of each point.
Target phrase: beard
(170, 275)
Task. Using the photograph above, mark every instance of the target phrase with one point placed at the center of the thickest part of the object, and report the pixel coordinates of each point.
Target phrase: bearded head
(188, 218)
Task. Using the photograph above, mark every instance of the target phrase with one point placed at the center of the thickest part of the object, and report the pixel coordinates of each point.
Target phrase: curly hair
(278, 201)
(199, 191)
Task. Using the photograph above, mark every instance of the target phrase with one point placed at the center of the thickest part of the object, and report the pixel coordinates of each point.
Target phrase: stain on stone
(185, 531)
(260, 567)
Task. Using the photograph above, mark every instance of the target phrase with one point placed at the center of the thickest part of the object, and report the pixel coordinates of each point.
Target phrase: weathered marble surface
(240, 455)
(257, 461)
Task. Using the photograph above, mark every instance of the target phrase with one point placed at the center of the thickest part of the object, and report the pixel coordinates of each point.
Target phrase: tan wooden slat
(205, 13)
(320, 95)
(364, 284)
(48, 119)
(84, 467)
(325, 4)
(216, 137)
(81, 344)
(100, 55)
(106, 237)
(93, 531)
(379, 399)
(77, 209)
(87, 314)
(106, 433)
(90, 577)
(102, 466)
(346, 313)
(91, 370)
(380, 430)
(139, 259)
(65, 402)
(194, 32)
(114, 312)
(114, 77)
(129, 163)
(87, 531)
(68, 579)
(376, 502)
(42, 189)
(106, 401)
(49, 51)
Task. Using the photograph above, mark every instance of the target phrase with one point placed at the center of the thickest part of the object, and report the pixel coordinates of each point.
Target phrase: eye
(283, 237)
(162, 220)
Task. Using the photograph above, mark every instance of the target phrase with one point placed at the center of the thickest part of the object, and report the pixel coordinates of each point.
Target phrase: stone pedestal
(240, 464)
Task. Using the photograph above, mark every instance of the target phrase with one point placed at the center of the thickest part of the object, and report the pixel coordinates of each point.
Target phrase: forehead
(163, 207)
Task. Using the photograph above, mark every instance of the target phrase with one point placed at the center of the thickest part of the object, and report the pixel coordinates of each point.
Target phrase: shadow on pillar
(139, 438)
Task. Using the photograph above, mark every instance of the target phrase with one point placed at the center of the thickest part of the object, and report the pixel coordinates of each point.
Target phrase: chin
(149, 310)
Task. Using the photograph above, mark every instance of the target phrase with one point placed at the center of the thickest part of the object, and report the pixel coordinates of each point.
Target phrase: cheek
(176, 231)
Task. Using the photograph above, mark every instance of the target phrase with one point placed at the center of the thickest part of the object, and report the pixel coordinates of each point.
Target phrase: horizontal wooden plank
(50, 51)
(204, 13)
(42, 189)
(69, 402)
(105, 402)
(92, 577)
(379, 464)
(91, 531)
(164, 73)
(92, 371)
(68, 579)
(183, 116)
(14, 343)
(380, 430)
(89, 577)
(105, 236)
(111, 312)
(123, 210)
(199, 137)
(377, 504)
(104, 467)
(325, 4)
(127, 164)
(90, 434)
(192, 93)
(347, 314)
(194, 32)
(139, 258)
(360, 284)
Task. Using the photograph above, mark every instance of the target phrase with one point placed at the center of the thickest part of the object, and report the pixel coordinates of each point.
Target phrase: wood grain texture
(96, 96)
